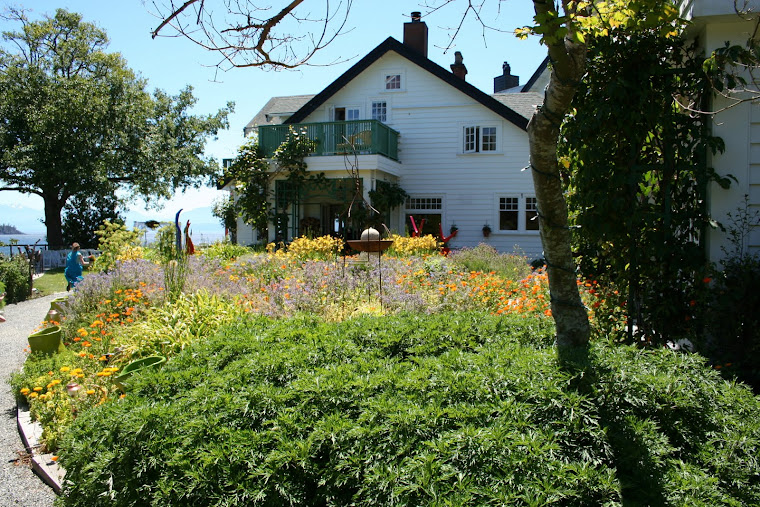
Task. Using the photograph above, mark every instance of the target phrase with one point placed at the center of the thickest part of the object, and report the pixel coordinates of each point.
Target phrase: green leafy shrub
(464, 409)
(2, 291)
(225, 251)
(14, 274)
(486, 258)
(116, 243)
(168, 329)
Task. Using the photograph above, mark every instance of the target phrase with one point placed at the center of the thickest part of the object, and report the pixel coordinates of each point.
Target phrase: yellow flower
(37, 389)
(64, 369)
(90, 391)
(33, 395)
(25, 391)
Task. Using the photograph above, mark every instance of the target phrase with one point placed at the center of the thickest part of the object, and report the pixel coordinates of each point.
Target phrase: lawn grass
(50, 282)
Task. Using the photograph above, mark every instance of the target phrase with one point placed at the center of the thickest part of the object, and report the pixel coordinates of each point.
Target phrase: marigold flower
(25, 391)
(90, 391)
(37, 389)
(64, 369)
(33, 395)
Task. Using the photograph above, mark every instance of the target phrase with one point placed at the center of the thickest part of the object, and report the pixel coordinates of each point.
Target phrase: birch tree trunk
(568, 59)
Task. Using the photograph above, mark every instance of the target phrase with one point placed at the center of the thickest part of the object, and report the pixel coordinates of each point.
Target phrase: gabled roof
(275, 108)
(540, 70)
(522, 103)
(391, 44)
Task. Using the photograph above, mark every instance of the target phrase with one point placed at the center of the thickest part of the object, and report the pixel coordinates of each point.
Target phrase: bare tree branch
(244, 34)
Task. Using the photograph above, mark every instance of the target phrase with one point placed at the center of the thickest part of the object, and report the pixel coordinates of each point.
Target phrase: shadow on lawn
(637, 471)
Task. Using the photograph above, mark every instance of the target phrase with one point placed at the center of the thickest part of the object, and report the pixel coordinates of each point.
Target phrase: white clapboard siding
(430, 115)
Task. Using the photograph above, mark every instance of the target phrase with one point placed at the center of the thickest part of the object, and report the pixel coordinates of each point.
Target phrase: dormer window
(393, 82)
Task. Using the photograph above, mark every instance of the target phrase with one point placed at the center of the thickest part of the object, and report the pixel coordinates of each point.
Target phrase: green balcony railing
(364, 137)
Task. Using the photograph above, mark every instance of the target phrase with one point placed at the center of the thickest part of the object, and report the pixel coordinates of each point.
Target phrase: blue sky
(171, 63)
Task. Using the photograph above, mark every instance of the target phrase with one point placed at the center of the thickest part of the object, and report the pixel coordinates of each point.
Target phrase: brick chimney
(506, 80)
(458, 68)
(416, 34)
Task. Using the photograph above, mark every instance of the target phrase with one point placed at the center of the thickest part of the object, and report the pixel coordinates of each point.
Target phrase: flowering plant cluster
(404, 246)
(125, 313)
(323, 247)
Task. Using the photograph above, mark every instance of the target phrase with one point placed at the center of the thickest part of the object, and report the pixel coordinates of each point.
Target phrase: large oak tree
(76, 121)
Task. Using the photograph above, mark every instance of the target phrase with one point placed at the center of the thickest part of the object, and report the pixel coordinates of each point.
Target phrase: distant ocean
(199, 238)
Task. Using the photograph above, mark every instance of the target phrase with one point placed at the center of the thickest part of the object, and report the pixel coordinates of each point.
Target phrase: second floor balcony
(361, 137)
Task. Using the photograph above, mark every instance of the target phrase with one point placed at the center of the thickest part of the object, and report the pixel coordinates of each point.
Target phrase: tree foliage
(84, 214)
(250, 173)
(74, 120)
(638, 177)
(253, 176)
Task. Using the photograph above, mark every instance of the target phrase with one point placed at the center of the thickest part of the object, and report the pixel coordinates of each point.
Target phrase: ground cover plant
(460, 409)
(296, 376)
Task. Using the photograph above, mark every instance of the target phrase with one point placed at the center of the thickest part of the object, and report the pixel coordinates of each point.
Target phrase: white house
(714, 22)
(458, 152)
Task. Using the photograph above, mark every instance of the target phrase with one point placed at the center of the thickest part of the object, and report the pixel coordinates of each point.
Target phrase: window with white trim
(479, 139)
(380, 110)
(424, 203)
(426, 212)
(509, 212)
(531, 214)
(518, 213)
(393, 81)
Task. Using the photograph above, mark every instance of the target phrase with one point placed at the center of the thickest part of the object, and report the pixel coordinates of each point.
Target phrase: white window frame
(425, 203)
(502, 206)
(386, 108)
(531, 205)
(387, 73)
(522, 200)
(474, 140)
(357, 109)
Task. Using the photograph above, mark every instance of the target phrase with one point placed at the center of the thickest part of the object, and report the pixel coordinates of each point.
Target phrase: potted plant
(486, 230)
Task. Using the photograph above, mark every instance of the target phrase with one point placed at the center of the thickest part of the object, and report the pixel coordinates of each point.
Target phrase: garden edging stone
(42, 464)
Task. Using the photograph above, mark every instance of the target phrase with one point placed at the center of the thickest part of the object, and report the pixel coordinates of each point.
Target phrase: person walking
(75, 264)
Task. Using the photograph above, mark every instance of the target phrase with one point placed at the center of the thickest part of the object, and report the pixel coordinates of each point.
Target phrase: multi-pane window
(423, 203)
(380, 110)
(518, 214)
(470, 139)
(509, 210)
(479, 139)
(489, 138)
(393, 82)
(352, 113)
(531, 214)
(425, 213)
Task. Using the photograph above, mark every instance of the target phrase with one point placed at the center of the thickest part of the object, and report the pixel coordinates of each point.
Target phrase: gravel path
(18, 483)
